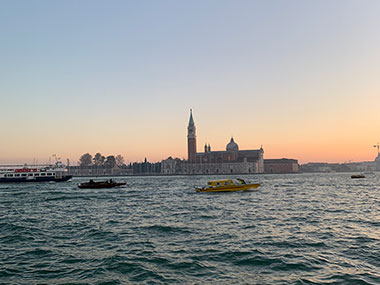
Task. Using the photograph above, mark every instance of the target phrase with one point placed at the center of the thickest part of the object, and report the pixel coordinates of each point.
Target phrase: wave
(166, 229)
(302, 229)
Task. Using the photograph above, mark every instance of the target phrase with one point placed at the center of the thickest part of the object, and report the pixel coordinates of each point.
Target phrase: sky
(301, 78)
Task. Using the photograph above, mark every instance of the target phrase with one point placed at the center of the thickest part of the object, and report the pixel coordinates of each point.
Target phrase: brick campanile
(191, 140)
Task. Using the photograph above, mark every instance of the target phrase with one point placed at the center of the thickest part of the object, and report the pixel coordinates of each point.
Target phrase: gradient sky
(301, 78)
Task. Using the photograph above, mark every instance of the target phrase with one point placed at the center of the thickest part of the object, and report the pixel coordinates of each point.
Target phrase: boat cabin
(217, 183)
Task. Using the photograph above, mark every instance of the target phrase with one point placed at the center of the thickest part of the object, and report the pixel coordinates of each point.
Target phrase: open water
(297, 229)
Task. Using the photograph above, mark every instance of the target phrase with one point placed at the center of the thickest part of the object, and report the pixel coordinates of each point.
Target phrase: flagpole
(377, 146)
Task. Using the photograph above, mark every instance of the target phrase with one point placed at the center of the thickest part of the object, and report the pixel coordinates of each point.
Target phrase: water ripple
(298, 229)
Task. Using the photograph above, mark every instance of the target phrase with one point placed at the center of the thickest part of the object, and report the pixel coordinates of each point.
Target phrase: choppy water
(303, 229)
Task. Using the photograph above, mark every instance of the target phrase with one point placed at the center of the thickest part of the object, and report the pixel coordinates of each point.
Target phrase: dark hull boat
(100, 184)
(357, 176)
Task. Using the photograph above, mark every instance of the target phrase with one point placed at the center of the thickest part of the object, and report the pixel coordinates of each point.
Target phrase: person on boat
(241, 181)
(91, 181)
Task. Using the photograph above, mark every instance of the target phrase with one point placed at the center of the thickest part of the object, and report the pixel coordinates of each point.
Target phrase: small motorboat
(100, 184)
(227, 185)
(355, 176)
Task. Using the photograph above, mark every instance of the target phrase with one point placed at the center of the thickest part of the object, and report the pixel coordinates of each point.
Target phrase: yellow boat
(227, 185)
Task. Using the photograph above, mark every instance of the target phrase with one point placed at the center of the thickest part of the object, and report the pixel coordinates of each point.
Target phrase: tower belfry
(191, 139)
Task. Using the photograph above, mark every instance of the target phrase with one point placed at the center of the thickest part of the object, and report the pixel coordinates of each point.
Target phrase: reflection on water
(321, 228)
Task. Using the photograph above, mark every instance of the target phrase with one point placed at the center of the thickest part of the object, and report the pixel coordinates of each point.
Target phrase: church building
(230, 161)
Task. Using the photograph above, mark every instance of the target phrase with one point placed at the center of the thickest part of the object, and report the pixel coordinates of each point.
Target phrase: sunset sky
(301, 78)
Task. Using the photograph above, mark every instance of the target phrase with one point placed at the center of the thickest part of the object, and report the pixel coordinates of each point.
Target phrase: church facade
(232, 160)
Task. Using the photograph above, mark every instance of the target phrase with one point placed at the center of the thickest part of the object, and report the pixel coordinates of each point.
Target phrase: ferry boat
(227, 185)
(36, 173)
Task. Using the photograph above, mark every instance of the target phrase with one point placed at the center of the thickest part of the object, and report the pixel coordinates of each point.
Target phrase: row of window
(221, 183)
(28, 174)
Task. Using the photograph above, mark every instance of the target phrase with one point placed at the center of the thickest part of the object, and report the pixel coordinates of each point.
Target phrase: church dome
(232, 146)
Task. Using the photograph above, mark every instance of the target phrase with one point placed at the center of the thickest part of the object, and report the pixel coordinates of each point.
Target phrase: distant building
(339, 167)
(283, 165)
(361, 166)
(232, 160)
(377, 160)
(146, 168)
(99, 170)
(171, 166)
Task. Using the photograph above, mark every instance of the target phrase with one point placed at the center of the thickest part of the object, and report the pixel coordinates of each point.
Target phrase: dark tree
(119, 160)
(85, 159)
(99, 159)
(110, 161)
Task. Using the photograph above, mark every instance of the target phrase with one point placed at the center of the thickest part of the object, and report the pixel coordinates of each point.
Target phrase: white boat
(33, 173)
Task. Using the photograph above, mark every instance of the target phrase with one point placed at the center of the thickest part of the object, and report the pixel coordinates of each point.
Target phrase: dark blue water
(303, 229)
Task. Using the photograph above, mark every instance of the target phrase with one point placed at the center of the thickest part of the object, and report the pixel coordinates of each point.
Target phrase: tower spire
(191, 120)
(191, 139)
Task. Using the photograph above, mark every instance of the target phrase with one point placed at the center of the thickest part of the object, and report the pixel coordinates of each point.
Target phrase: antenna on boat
(377, 146)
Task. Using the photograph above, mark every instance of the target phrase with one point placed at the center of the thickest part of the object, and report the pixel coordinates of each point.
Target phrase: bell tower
(191, 139)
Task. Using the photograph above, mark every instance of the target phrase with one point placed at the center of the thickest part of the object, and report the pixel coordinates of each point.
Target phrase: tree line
(100, 160)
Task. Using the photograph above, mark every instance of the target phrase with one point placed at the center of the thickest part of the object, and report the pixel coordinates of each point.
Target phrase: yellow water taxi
(227, 185)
